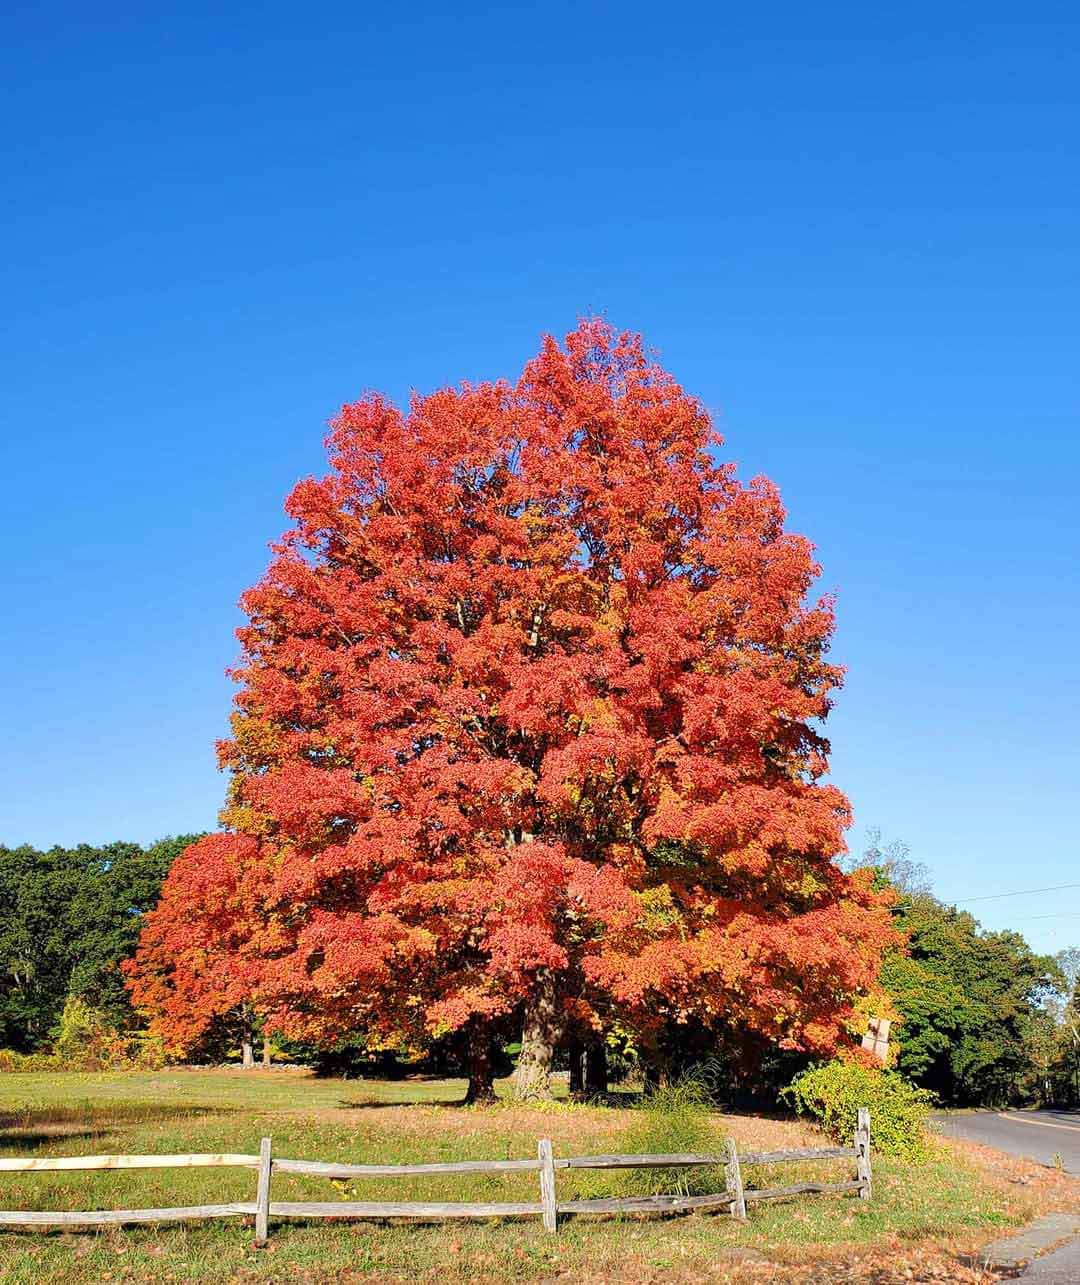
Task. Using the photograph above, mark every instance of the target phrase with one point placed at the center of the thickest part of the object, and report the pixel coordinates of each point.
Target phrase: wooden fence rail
(734, 1198)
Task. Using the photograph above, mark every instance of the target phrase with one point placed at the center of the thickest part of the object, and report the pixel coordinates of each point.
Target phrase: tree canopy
(974, 1005)
(528, 729)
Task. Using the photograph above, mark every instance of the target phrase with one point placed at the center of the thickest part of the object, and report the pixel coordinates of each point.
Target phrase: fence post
(547, 1186)
(862, 1152)
(733, 1180)
(262, 1194)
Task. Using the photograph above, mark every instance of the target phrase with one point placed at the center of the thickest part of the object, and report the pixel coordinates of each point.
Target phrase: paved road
(1038, 1135)
(1062, 1267)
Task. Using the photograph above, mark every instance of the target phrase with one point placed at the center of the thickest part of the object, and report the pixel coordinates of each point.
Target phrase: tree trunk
(596, 1069)
(652, 1077)
(481, 1088)
(248, 1051)
(577, 1079)
(266, 1050)
(532, 1078)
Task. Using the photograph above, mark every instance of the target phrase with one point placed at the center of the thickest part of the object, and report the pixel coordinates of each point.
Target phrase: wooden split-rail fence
(734, 1198)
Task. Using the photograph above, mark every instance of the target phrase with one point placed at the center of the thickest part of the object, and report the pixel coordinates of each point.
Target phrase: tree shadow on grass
(379, 1104)
(39, 1126)
(19, 1140)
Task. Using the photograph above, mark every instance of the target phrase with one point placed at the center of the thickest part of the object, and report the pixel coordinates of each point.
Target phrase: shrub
(85, 1048)
(676, 1117)
(143, 1052)
(833, 1092)
(85, 1040)
(10, 1060)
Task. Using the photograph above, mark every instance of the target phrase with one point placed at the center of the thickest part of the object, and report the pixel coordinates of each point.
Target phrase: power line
(1024, 892)
(1066, 914)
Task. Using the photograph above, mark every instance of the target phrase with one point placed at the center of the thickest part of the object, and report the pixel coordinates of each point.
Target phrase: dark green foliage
(973, 1003)
(1063, 1070)
(121, 882)
(34, 950)
(68, 917)
(981, 1011)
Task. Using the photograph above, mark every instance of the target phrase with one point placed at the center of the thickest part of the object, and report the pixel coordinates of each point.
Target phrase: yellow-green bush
(833, 1092)
(86, 1041)
(10, 1060)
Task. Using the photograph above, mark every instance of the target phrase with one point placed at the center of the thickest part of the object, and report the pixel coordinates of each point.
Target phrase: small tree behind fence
(734, 1198)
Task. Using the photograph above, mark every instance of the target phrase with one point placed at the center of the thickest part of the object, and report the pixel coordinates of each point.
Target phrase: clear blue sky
(852, 229)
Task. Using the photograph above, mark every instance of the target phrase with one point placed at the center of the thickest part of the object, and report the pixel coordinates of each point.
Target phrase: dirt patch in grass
(562, 1122)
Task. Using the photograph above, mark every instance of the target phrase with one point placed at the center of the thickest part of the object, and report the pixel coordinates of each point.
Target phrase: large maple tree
(528, 730)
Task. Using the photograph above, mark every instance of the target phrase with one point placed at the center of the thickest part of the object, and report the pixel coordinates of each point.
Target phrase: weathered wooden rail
(734, 1197)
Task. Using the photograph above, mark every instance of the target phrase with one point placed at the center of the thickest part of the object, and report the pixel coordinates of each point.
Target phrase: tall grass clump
(676, 1117)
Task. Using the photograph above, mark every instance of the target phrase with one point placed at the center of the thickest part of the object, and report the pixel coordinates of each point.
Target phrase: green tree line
(985, 1021)
(68, 918)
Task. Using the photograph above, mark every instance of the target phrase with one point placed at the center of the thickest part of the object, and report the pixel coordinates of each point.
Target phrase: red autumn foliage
(203, 947)
(531, 692)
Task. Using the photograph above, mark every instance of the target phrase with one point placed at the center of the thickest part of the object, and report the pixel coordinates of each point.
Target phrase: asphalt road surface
(1062, 1267)
(1036, 1135)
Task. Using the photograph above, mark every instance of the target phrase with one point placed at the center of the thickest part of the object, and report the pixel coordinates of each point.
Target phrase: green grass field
(401, 1121)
